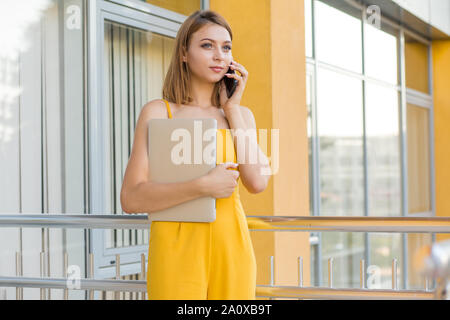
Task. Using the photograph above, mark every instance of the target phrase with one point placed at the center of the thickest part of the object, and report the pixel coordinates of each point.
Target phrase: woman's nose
(219, 54)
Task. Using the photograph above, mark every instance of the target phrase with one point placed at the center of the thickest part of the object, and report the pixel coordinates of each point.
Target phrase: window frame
(406, 95)
(136, 14)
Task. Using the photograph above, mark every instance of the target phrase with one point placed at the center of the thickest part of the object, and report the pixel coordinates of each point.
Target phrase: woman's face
(210, 46)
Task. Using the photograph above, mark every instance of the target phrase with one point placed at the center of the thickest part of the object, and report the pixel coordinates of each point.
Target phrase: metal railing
(255, 223)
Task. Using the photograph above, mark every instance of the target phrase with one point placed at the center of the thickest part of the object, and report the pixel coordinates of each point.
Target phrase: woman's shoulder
(248, 116)
(155, 108)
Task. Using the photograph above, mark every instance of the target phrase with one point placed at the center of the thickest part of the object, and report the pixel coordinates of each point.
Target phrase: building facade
(358, 91)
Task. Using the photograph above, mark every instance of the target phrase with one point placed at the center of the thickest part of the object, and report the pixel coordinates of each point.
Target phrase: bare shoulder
(137, 170)
(154, 109)
(248, 115)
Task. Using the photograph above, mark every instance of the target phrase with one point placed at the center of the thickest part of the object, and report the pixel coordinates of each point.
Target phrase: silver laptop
(180, 150)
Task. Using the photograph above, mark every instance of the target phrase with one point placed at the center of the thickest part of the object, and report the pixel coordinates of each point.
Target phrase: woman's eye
(208, 44)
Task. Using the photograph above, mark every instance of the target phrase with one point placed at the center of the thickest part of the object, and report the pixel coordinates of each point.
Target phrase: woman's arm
(139, 194)
(240, 117)
(150, 196)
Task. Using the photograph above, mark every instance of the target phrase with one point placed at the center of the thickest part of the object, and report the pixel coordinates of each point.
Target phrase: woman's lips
(217, 69)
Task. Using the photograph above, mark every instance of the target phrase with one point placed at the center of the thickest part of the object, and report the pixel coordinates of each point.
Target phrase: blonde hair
(176, 86)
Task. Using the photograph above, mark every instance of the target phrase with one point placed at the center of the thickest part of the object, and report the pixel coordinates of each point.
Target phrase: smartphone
(230, 83)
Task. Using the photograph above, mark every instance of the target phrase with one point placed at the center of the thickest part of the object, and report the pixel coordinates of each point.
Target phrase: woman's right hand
(220, 182)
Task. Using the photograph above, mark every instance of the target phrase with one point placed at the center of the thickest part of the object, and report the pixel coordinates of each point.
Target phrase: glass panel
(340, 129)
(347, 250)
(338, 37)
(339, 107)
(416, 65)
(383, 150)
(312, 266)
(41, 137)
(384, 247)
(418, 159)
(417, 251)
(136, 62)
(381, 53)
(186, 7)
(308, 28)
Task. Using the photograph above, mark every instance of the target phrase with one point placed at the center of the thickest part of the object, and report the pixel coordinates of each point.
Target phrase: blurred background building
(358, 89)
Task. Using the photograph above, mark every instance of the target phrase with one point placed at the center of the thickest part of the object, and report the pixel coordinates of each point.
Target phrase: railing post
(330, 272)
(300, 271)
(19, 291)
(117, 293)
(143, 273)
(271, 273)
(91, 274)
(394, 274)
(66, 265)
(362, 274)
(42, 271)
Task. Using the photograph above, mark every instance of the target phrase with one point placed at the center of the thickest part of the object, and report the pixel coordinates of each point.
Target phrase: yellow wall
(291, 185)
(419, 184)
(416, 63)
(186, 7)
(419, 196)
(269, 42)
(441, 96)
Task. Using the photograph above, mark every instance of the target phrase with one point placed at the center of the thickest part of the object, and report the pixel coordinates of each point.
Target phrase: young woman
(191, 260)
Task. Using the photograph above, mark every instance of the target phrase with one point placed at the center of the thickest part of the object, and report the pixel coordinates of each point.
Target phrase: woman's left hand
(236, 97)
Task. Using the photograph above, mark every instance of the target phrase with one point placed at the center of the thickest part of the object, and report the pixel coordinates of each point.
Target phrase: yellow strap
(168, 108)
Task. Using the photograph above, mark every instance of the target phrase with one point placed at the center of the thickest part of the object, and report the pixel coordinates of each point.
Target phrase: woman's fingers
(230, 164)
(240, 68)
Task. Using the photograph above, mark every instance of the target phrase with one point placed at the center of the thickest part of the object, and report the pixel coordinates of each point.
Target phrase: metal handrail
(261, 290)
(255, 223)
(85, 284)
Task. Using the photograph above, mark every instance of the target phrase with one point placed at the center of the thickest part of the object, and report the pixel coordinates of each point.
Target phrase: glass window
(416, 65)
(339, 107)
(417, 248)
(418, 159)
(338, 37)
(308, 28)
(347, 250)
(42, 157)
(340, 123)
(384, 247)
(186, 7)
(383, 150)
(380, 50)
(340, 129)
(136, 62)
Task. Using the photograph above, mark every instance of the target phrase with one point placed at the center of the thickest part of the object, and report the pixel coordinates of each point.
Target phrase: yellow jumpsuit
(204, 260)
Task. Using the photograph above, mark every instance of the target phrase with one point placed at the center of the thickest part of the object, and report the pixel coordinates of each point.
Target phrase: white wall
(440, 14)
(434, 12)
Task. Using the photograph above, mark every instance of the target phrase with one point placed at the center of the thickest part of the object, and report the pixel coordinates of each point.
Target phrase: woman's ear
(183, 54)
